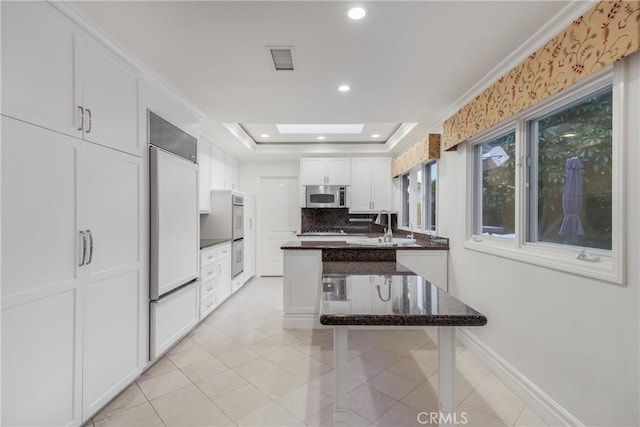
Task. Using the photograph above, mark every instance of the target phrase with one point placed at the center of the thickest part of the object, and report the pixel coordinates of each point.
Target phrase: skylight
(321, 129)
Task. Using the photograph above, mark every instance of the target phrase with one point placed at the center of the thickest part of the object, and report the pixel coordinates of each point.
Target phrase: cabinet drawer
(207, 306)
(208, 256)
(208, 288)
(211, 271)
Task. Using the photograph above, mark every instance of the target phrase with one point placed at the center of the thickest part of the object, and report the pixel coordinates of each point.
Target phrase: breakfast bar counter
(389, 294)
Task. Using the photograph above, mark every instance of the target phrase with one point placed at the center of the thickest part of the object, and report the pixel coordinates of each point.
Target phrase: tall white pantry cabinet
(73, 296)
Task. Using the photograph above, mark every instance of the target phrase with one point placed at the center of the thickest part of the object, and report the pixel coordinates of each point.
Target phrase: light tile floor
(240, 368)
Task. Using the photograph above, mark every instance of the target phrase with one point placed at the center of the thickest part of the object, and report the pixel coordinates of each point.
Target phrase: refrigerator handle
(83, 251)
(90, 247)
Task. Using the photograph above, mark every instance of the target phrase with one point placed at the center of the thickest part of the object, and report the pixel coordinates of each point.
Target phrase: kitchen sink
(377, 241)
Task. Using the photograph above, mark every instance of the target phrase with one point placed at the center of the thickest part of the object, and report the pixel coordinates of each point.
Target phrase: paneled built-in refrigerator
(174, 223)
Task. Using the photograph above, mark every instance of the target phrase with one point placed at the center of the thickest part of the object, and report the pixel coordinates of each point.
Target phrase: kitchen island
(303, 266)
(389, 294)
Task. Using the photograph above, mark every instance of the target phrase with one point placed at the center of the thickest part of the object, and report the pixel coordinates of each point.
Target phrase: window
(570, 180)
(547, 184)
(406, 198)
(419, 198)
(431, 177)
(496, 178)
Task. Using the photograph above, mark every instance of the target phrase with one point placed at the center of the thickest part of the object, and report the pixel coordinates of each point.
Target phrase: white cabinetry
(55, 76)
(110, 209)
(371, 184)
(106, 97)
(215, 277)
(37, 66)
(79, 208)
(224, 174)
(325, 171)
(204, 177)
(302, 286)
(430, 264)
(217, 168)
(249, 237)
(231, 172)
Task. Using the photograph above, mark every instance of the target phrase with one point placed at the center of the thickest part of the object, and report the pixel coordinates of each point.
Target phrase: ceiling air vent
(282, 57)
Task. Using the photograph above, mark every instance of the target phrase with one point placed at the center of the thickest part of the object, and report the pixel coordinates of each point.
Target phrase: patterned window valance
(606, 33)
(425, 149)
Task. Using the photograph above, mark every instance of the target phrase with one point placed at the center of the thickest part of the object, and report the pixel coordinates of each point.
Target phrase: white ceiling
(405, 62)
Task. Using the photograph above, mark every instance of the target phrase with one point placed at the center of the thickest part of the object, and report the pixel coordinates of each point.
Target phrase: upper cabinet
(218, 171)
(37, 66)
(217, 168)
(55, 76)
(106, 98)
(231, 172)
(325, 171)
(371, 184)
(204, 177)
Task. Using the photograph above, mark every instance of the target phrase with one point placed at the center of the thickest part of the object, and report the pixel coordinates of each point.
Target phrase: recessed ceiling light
(321, 137)
(264, 135)
(356, 13)
(344, 88)
(569, 135)
(375, 135)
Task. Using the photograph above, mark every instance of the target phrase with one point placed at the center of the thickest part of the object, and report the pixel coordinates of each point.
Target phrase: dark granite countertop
(343, 244)
(205, 243)
(390, 294)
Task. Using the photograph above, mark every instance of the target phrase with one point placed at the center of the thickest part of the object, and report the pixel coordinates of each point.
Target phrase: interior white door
(279, 219)
(110, 205)
(175, 222)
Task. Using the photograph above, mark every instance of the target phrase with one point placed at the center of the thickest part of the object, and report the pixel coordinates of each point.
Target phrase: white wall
(575, 338)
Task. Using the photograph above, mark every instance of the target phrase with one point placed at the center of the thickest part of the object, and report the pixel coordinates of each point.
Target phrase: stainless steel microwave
(326, 196)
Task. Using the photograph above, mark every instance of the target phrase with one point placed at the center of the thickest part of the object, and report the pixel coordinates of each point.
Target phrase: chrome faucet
(411, 236)
(388, 234)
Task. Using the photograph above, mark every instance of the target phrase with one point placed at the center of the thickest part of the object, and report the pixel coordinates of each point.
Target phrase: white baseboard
(541, 403)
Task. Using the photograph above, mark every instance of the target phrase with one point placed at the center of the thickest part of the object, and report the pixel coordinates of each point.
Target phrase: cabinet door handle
(84, 248)
(210, 257)
(250, 223)
(90, 247)
(81, 120)
(373, 205)
(90, 121)
(209, 305)
(209, 289)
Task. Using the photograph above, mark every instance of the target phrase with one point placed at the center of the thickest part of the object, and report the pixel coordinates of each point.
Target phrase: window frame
(600, 264)
(427, 226)
(496, 133)
(413, 199)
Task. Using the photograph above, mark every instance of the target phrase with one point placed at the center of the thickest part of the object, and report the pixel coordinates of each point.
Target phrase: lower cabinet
(430, 264)
(302, 285)
(215, 277)
(74, 327)
(40, 343)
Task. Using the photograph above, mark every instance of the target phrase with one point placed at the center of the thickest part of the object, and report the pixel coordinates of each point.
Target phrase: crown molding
(94, 30)
(551, 29)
